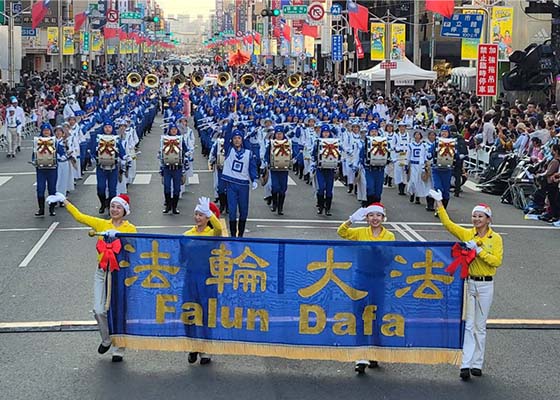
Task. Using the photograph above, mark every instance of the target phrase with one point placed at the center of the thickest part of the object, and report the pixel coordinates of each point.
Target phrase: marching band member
(373, 158)
(131, 141)
(75, 143)
(428, 169)
(443, 156)
(109, 151)
(374, 215)
(352, 149)
(172, 151)
(124, 164)
(417, 161)
(325, 160)
(480, 283)
(206, 221)
(240, 171)
(388, 133)
(216, 162)
(46, 152)
(278, 151)
(309, 138)
(400, 149)
(20, 116)
(188, 138)
(63, 171)
(119, 209)
(71, 107)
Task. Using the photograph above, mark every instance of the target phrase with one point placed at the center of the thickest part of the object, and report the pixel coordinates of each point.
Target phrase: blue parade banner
(465, 26)
(337, 50)
(300, 299)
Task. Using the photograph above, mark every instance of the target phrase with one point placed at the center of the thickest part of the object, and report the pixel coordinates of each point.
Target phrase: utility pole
(60, 42)
(388, 55)
(416, 33)
(11, 49)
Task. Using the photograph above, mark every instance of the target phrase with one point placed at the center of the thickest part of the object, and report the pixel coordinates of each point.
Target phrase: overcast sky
(192, 7)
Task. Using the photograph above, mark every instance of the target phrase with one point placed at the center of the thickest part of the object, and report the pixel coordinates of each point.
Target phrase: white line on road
(338, 184)
(4, 179)
(472, 186)
(413, 232)
(16, 173)
(291, 182)
(91, 180)
(142, 179)
(194, 180)
(402, 232)
(39, 244)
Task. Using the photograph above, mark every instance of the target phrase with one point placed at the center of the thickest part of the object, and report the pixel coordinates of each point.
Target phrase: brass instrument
(294, 80)
(180, 80)
(270, 82)
(197, 78)
(134, 79)
(224, 78)
(247, 80)
(151, 81)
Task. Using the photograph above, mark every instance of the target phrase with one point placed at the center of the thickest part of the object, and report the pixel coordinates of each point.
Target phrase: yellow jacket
(99, 224)
(364, 234)
(216, 229)
(489, 258)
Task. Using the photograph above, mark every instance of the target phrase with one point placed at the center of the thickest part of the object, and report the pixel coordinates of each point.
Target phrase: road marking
(472, 186)
(39, 244)
(4, 179)
(91, 180)
(402, 232)
(16, 173)
(142, 179)
(338, 184)
(413, 232)
(291, 182)
(194, 180)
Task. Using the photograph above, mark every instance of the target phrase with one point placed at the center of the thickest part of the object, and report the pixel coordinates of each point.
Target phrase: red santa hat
(376, 208)
(215, 209)
(483, 208)
(124, 201)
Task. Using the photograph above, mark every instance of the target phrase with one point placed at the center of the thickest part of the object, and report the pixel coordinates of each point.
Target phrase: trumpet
(151, 81)
(247, 80)
(134, 79)
(224, 78)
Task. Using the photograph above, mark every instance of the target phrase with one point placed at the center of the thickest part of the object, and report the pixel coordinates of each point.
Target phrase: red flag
(250, 39)
(359, 20)
(443, 7)
(110, 33)
(257, 37)
(79, 20)
(359, 49)
(39, 12)
(276, 32)
(287, 32)
(310, 30)
(123, 35)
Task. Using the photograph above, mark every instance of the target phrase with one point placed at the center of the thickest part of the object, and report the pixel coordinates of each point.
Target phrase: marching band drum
(45, 152)
(171, 150)
(445, 152)
(107, 151)
(329, 153)
(280, 154)
(377, 151)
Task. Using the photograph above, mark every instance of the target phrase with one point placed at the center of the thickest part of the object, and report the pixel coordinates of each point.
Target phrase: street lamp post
(10, 16)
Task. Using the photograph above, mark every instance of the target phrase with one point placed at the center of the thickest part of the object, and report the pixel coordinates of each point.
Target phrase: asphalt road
(56, 284)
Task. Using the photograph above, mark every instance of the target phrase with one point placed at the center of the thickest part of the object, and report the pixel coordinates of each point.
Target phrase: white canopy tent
(405, 71)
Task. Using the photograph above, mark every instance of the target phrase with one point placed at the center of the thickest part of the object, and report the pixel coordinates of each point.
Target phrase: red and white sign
(487, 70)
(316, 11)
(112, 15)
(388, 65)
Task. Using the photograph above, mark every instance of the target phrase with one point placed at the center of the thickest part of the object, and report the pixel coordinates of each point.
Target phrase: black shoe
(102, 349)
(40, 213)
(476, 372)
(192, 357)
(52, 213)
(18, 149)
(431, 209)
(360, 368)
(417, 200)
(411, 198)
(456, 194)
(205, 360)
(268, 200)
(175, 202)
(373, 364)
(465, 374)
(116, 359)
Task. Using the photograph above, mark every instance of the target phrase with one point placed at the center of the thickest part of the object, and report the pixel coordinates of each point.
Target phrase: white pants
(12, 137)
(479, 301)
(99, 300)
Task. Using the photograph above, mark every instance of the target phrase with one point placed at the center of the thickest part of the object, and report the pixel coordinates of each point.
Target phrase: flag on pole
(359, 48)
(79, 20)
(39, 12)
(287, 32)
(310, 30)
(359, 20)
(443, 7)
(257, 37)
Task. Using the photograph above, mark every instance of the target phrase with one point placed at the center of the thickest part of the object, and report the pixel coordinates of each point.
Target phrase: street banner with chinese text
(52, 41)
(68, 40)
(502, 31)
(96, 41)
(469, 47)
(487, 70)
(398, 41)
(300, 299)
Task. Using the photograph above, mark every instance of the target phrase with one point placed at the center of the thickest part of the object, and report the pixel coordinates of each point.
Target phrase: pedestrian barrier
(30, 128)
(478, 160)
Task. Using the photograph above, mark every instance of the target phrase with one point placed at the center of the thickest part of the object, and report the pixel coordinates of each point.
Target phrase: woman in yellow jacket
(119, 209)
(206, 221)
(375, 231)
(480, 282)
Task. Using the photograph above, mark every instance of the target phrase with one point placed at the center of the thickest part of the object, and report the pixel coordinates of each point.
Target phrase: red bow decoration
(108, 253)
(379, 148)
(171, 146)
(281, 148)
(45, 146)
(330, 149)
(461, 257)
(446, 148)
(106, 147)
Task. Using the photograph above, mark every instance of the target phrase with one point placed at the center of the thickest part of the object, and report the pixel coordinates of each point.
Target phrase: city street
(47, 267)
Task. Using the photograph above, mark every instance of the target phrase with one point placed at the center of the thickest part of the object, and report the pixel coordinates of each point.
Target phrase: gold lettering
(252, 314)
(162, 308)
(345, 325)
(368, 316)
(212, 312)
(394, 325)
(320, 319)
(237, 317)
(192, 314)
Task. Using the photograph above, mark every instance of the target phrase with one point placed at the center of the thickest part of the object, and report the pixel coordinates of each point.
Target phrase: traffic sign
(112, 15)
(131, 18)
(294, 12)
(302, 56)
(465, 26)
(388, 65)
(16, 8)
(316, 12)
(28, 32)
(336, 10)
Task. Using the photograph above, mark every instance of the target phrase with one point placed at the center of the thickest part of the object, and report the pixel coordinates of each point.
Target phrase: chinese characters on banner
(297, 299)
(487, 70)
(337, 48)
(469, 47)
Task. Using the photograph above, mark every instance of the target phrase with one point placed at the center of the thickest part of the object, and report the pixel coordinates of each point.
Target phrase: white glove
(56, 198)
(435, 194)
(471, 244)
(110, 234)
(254, 185)
(478, 250)
(204, 206)
(359, 215)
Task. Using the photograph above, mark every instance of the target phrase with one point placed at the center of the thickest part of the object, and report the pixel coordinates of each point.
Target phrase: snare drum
(171, 148)
(445, 152)
(107, 151)
(377, 151)
(45, 152)
(280, 154)
(329, 153)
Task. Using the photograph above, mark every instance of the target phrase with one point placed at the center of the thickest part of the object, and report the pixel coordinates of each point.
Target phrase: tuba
(247, 80)
(224, 79)
(197, 78)
(294, 81)
(134, 79)
(180, 80)
(151, 81)
(270, 82)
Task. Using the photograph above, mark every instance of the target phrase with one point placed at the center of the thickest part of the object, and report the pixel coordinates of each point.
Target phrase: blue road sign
(336, 9)
(337, 51)
(28, 32)
(464, 26)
